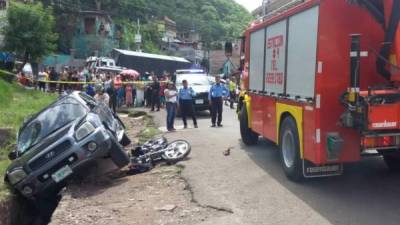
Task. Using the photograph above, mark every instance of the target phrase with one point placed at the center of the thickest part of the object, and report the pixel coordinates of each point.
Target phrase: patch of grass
(136, 114)
(179, 168)
(16, 103)
(3, 189)
(147, 134)
(124, 110)
(150, 130)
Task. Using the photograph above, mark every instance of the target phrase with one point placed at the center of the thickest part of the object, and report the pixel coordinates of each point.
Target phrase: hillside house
(95, 34)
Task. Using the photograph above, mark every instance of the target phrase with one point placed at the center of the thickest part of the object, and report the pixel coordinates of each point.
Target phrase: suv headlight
(84, 130)
(16, 176)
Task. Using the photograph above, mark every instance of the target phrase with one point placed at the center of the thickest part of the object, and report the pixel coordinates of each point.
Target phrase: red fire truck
(321, 80)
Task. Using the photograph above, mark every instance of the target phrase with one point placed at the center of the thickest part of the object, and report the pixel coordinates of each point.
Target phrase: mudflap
(310, 170)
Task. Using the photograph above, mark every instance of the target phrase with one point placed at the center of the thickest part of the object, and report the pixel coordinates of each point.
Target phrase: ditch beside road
(106, 195)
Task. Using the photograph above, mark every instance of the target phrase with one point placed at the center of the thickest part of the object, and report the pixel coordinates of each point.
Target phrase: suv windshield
(48, 121)
(193, 80)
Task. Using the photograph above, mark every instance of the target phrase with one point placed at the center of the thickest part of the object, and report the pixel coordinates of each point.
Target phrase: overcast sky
(250, 4)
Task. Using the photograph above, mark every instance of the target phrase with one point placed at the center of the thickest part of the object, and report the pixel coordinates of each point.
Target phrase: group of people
(59, 81)
(116, 90)
(154, 94)
(113, 89)
(183, 98)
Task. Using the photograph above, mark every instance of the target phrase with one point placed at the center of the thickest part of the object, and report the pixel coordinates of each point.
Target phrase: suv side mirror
(12, 155)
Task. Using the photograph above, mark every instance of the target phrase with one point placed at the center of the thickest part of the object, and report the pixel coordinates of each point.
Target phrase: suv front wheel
(118, 155)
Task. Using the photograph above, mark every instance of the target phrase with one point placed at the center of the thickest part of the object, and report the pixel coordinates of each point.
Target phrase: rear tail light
(379, 142)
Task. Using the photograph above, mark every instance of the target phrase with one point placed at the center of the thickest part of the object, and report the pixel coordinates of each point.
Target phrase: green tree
(29, 31)
(214, 20)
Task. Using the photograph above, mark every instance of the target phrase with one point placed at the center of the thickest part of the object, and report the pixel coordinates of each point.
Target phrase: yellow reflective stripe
(297, 113)
(393, 59)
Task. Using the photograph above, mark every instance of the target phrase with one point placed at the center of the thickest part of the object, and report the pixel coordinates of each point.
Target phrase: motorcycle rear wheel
(176, 151)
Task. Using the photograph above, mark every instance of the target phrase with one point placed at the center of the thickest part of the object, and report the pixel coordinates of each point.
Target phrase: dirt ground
(108, 196)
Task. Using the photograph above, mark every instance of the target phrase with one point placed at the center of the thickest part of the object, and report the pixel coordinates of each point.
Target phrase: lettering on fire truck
(274, 76)
(384, 124)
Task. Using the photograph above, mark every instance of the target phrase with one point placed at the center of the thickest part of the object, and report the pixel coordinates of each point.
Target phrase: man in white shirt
(171, 98)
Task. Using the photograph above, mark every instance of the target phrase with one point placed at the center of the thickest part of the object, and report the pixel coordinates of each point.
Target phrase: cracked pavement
(250, 185)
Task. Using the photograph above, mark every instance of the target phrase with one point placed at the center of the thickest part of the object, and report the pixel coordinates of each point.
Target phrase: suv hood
(43, 144)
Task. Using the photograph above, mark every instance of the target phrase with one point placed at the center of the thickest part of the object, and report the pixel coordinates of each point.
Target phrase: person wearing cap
(171, 100)
(218, 92)
(185, 96)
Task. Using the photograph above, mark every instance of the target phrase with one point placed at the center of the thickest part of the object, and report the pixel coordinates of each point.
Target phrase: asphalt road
(251, 183)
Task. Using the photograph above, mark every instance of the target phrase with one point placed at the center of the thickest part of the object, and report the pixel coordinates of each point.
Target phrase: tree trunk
(25, 60)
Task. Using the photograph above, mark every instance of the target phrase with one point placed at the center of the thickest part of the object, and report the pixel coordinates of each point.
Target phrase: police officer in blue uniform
(216, 97)
(185, 97)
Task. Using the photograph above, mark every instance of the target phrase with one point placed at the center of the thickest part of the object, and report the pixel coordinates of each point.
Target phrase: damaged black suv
(59, 140)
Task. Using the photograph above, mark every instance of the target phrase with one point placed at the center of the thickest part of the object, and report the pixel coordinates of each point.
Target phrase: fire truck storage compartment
(285, 52)
(302, 53)
(275, 60)
(256, 66)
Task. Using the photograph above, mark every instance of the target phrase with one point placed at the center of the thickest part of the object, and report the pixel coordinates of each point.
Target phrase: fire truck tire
(392, 162)
(290, 150)
(249, 137)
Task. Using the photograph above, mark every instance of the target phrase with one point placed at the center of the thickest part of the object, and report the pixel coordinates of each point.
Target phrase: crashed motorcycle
(144, 157)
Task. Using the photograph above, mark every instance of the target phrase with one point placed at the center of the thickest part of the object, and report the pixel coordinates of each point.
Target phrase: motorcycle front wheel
(176, 151)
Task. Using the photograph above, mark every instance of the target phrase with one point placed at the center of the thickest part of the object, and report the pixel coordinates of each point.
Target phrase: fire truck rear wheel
(290, 150)
(249, 137)
(392, 162)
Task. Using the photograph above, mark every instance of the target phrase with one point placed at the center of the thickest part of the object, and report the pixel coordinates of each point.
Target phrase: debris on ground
(168, 208)
(227, 152)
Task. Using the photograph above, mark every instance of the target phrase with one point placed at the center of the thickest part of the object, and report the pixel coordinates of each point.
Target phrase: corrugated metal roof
(154, 56)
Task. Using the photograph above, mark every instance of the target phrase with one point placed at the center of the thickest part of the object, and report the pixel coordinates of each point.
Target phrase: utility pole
(138, 37)
(264, 7)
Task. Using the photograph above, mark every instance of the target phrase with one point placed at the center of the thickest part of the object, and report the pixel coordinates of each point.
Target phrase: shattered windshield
(48, 121)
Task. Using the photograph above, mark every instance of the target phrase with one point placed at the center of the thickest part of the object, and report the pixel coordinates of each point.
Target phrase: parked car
(58, 141)
(201, 85)
(190, 71)
(103, 64)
